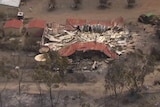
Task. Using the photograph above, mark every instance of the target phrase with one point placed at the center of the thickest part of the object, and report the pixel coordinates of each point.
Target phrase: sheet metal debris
(82, 35)
(79, 46)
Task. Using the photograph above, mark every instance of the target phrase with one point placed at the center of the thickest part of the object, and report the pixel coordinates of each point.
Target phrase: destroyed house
(71, 24)
(100, 41)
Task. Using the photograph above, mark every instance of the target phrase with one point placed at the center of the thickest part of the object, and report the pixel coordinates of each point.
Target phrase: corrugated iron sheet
(93, 22)
(69, 50)
(37, 24)
(13, 24)
(70, 23)
(106, 23)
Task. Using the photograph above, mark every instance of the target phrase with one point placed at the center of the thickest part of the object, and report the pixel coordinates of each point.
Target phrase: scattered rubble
(114, 37)
(94, 66)
(111, 39)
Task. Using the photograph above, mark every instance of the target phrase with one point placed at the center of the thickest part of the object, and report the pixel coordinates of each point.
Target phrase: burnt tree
(104, 3)
(51, 5)
(131, 3)
(51, 72)
(76, 4)
(129, 72)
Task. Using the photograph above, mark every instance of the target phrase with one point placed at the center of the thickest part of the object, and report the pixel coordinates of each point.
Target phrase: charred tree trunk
(19, 80)
(131, 3)
(76, 4)
(40, 93)
(1, 103)
(51, 97)
(115, 90)
(103, 4)
(51, 5)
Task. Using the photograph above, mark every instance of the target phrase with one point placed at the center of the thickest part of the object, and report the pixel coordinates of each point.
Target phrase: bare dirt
(88, 10)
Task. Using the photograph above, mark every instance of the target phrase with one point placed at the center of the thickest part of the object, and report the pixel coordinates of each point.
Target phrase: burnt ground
(84, 86)
(91, 92)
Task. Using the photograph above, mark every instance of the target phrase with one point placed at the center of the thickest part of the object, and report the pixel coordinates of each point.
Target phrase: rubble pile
(116, 37)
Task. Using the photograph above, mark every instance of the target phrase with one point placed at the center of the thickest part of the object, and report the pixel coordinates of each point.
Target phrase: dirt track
(88, 10)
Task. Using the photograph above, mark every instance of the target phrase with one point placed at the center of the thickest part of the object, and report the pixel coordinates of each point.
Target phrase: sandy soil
(88, 10)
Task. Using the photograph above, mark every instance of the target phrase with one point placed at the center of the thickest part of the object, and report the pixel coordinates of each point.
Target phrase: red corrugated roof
(93, 22)
(72, 22)
(69, 50)
(37, 24)
(13, 24)
(76, 21)
(106, 23)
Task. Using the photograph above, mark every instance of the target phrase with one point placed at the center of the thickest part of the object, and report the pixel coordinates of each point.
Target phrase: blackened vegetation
(129, 72)
(104, 4)
(31, 44)
(51, 5)
(92, 55)
(131, 3)
(51, 72)
(158, 32)
(155, 52)
(149, 19)
(83, 61)
(76, 4)
(152, 20)
(75, 77)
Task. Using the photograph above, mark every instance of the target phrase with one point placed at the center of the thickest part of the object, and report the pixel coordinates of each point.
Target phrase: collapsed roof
(37, 24)
(113, 35)
(72, 23)
(79, 46)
